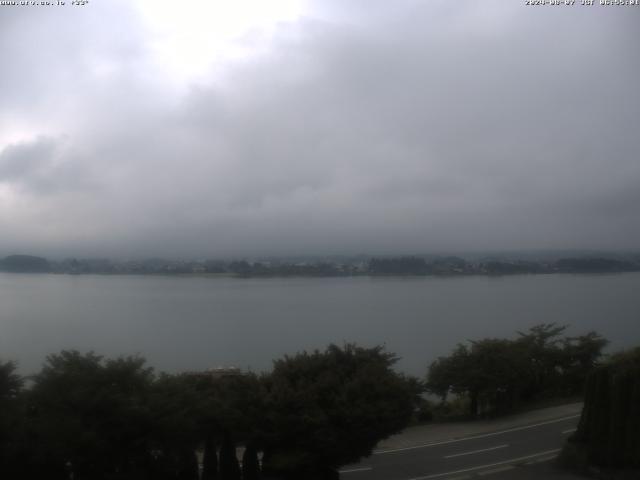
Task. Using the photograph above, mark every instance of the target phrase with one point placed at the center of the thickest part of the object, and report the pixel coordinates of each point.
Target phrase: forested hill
(25, 264)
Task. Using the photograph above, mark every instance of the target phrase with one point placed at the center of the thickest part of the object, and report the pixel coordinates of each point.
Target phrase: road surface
(502, 453)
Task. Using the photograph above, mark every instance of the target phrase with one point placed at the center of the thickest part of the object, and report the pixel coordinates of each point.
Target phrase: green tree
(498, 374)
(327, 409)
(91, 414)
(488, 372)
(449, 374)
(209, 460)
(250, 463)
(10, 382)
(187, 465)
(542, 346)
(177, 430)
(581, 356)
(10, 419)
(229, 466)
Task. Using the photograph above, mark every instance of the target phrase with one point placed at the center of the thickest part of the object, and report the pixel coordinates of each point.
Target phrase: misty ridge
(414, 265)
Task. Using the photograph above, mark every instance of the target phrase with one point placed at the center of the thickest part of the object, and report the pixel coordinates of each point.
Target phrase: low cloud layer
(403, 127)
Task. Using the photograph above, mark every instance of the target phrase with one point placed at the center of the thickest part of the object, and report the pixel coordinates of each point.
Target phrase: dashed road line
(476, 451)
(354, 470)
(480, 467)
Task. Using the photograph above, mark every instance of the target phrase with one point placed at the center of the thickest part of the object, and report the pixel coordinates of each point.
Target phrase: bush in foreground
(608, 435)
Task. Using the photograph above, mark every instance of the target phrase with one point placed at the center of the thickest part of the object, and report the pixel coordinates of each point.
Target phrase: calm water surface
(195, 323)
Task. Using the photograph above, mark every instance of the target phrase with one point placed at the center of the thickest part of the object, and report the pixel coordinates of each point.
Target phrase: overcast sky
(230, 128)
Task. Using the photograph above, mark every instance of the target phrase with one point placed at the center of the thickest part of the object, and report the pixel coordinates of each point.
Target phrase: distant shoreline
(360, 275)
(405, 266)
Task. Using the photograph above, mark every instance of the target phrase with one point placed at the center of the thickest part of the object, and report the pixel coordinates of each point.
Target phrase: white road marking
(571, 430)
(353, 470)
(485, 435)
(480, 467)
(477, 451)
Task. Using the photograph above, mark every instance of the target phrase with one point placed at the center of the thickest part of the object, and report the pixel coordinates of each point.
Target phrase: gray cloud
(406, 127)
(25, 160)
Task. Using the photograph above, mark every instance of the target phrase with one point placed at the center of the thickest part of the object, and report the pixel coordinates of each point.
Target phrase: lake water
(191, 323)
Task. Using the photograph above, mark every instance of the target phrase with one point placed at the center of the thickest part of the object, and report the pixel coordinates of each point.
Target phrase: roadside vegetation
(607, 441)
(86, 417)
(92, 418)
(494, 376)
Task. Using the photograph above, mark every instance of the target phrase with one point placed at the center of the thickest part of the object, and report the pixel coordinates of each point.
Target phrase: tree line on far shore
(105, 419)
(329, 267)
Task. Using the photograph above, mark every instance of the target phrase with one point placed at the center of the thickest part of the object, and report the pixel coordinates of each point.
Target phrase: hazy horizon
(293, 127)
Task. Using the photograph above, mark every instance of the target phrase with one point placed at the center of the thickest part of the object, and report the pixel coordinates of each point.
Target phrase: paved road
(500, 453)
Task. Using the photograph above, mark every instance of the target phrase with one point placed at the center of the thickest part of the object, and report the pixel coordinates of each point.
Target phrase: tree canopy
(330, 408)
(101, 418)
(498, 374)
